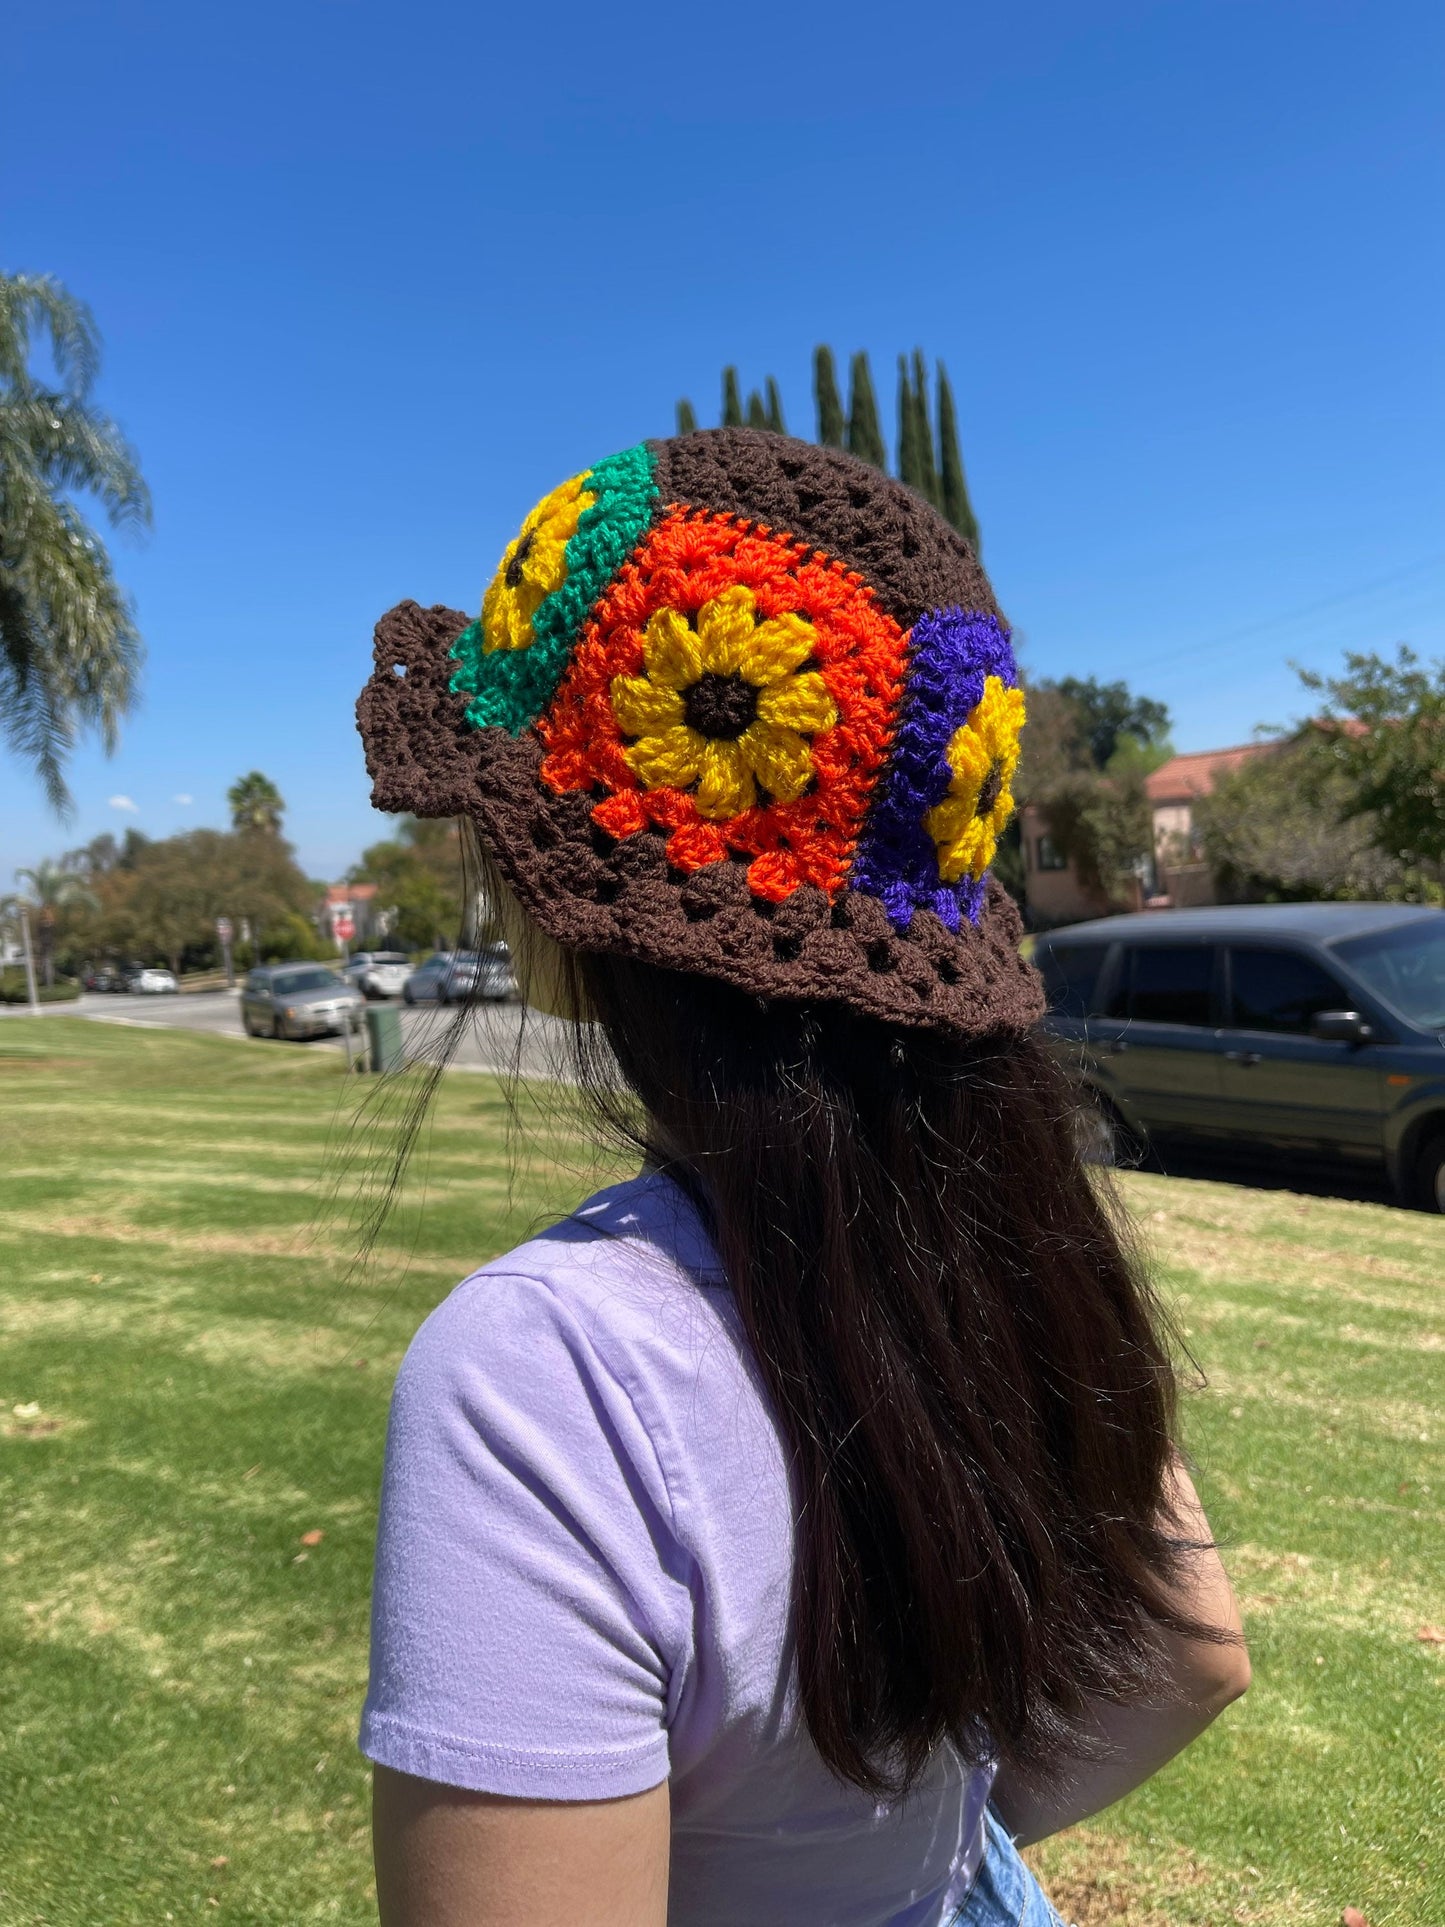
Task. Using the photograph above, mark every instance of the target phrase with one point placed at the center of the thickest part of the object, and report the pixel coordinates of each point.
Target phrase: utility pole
(29, 958)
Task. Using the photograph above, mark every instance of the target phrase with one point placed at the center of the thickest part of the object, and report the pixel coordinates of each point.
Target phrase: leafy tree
(418, 877)
(103, 855)
(952, 485)
(1382, 730)
(732, 414)
(686, 419)
(52, 888)
(1106, 712)
(70, 653)
(256, 804)
(865, 436)
(1086, 773)
(775, 409)
(832, 425)
(166, 904)
(1280, 829)
(757, 413)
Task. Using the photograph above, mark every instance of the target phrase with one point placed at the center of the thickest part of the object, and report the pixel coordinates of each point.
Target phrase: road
(488, 1041)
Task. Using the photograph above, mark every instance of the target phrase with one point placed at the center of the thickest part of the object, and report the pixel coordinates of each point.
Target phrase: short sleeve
(530, 1608)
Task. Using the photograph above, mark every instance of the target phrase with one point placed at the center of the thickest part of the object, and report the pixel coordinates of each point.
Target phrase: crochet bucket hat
(734, 704)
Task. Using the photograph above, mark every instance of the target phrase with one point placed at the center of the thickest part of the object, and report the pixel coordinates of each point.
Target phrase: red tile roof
(1183, 778)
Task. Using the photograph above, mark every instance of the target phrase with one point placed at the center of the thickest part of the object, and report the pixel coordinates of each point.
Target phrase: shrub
(13, 990)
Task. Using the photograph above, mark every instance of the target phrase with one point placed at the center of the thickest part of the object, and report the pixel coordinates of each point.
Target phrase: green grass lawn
(193, 1383)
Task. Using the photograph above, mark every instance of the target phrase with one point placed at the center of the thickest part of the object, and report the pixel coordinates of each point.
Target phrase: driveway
(488, 1042)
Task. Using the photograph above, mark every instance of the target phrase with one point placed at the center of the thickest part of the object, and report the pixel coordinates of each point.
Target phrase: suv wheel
(1430, 1173)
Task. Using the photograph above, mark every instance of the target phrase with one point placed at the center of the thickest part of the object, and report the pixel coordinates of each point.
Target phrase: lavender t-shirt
(583, 1572)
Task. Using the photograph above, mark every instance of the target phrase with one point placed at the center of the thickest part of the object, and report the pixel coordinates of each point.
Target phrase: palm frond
(34, 720)
(68, 445)
(31, 303)
(70, 653)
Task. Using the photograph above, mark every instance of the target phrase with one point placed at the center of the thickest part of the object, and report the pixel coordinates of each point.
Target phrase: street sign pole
(29, 958)
(225, 933)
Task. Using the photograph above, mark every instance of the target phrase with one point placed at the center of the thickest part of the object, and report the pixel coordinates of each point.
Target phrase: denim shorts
(1004, 1893)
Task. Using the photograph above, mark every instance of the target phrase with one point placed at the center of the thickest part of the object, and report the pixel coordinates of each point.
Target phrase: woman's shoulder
(627, 1285)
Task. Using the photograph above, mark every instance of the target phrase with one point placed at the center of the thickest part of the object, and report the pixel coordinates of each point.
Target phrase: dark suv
(1293, 1033)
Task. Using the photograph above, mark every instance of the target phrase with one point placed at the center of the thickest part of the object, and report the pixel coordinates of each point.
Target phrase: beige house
(1181, 877)
(1053, 889)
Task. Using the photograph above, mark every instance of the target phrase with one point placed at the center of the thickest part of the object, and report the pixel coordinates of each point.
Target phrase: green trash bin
(383, 1030)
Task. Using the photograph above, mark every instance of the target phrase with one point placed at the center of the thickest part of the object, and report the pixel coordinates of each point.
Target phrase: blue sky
(371, 279)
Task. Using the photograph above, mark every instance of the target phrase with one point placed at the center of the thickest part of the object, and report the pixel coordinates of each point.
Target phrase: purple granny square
(952, 653)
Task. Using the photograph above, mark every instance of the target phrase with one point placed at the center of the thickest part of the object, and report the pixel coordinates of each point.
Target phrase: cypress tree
(732, 405)
(831, 426)
(953, 485)
(775, 409)
(908, 470)
(686, 420)
(865, 437)
(757, 414)
(923, 433)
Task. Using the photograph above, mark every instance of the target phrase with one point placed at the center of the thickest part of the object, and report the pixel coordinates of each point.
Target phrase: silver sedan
(299, 1000)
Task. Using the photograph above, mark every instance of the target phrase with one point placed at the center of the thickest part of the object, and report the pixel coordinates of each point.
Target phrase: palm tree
(51, 889)
(256, 804)
(70, 653)
(257, 808)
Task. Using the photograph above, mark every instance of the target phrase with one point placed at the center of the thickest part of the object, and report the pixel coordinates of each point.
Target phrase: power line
(1252, 629)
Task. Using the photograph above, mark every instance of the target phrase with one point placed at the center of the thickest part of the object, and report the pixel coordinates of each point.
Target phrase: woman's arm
(1137, 1740)
(447, 1858)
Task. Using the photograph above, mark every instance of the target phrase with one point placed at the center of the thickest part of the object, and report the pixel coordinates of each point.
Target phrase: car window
(1071, 974)
(1279, 990)
(256, 980)
(1166, 984)
(1404, 966)
(291, 982)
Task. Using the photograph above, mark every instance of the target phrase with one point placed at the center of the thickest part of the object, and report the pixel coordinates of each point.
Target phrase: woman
(797, 1526)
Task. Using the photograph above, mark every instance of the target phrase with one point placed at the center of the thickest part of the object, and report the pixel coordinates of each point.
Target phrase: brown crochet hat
(739, 705)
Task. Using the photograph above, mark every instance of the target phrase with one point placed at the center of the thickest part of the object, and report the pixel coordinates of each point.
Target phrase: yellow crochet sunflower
(533, 566)
(983, 756)
(726, 706)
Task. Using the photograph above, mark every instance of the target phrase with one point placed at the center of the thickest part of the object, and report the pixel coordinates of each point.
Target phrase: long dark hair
(969, 1369)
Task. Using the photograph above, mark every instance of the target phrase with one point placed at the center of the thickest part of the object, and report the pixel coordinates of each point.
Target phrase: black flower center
(513, 574)
(990, 789)
(721, 707)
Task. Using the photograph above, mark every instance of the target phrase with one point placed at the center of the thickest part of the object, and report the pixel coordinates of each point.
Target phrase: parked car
(153, 983)
(299, 1000)
(105, 978)
(461, 976)
(378, 973)
(1303, 1033)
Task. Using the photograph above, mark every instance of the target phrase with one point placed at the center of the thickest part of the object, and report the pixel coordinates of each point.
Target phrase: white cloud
(124, 803)
(182, 798)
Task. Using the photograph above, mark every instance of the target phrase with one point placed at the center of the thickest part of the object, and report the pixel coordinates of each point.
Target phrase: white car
(154, 983)
(378, 973)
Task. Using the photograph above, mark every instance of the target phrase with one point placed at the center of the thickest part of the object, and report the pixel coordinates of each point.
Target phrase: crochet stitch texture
(736, 705)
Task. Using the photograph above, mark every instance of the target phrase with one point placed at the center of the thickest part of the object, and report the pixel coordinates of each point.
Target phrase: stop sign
(342, 927)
